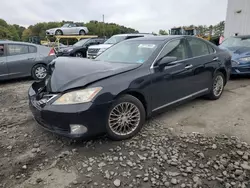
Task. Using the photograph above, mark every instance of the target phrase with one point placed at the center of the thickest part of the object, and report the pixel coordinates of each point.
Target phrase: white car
(68, 29)
(96, 50)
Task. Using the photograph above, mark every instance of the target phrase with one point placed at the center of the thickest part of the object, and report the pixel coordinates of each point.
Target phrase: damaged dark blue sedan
(116, 92)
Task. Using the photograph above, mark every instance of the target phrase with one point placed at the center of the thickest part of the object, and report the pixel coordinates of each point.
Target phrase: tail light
(52, 52)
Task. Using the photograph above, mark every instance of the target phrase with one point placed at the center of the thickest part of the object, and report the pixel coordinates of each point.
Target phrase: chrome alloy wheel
(124, 118)
(40, 72)
(218, 85)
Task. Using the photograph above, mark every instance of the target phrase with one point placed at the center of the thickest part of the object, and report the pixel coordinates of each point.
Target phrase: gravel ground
(199, 144)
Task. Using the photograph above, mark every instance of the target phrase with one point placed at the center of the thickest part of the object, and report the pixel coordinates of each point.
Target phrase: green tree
(163, 32)
(13, 33)
(26, 34)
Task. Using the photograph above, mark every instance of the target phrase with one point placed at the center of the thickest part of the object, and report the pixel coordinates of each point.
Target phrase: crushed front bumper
(59, 118)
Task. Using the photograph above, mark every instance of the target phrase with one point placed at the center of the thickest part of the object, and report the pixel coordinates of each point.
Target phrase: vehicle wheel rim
(82, 33)
(218, 86)
(124, 118)
(78, 55)
(40, 72)
(58, 33)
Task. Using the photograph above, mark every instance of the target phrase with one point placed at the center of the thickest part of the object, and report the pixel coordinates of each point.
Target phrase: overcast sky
(143, 15)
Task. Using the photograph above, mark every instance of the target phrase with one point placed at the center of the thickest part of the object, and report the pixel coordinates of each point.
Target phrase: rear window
(32, 49)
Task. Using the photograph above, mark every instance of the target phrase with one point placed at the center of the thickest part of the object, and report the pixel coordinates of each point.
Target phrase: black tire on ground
(58, 32)
(82, 32)
(37, 76)
(213, 95)
(128, 99)
(78, 54)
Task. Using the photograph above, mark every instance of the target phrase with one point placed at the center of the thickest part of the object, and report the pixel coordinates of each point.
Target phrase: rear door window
(198, 47)
(17, 49)
(32, 49)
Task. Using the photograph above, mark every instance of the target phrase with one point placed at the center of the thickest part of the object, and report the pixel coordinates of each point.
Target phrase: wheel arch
(137, 95)
(224, 72)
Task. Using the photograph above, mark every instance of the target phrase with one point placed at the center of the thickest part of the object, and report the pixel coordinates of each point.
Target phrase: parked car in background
(80, 48)
(20, 59)
(96, 50)
(239, 48)
(68, 29)
(126, 84)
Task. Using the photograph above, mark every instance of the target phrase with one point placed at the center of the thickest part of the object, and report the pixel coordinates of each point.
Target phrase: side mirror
(167, 61)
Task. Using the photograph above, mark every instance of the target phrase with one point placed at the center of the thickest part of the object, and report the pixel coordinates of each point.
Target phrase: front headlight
(69, 50)
(101, 50)
(79, 96)
(245, 59)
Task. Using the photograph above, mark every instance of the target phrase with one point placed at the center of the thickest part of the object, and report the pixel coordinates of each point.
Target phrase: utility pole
(103, 26)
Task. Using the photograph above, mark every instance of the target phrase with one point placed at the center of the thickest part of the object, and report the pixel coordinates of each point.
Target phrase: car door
(20, 59)
(173, 84)
(3, 63)
(203, 60)
(73, 29)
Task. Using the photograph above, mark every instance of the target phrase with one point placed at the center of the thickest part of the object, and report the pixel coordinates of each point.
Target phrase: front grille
(43, 101)
(93, 50)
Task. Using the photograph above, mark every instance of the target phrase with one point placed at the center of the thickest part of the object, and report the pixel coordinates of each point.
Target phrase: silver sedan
(68, 29)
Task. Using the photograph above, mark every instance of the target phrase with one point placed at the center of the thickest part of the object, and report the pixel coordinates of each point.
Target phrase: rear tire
(217, 87)
(125, 118)
(82, 32)
(39, 72)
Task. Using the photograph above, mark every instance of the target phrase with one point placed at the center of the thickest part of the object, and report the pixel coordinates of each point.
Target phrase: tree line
(19, 33)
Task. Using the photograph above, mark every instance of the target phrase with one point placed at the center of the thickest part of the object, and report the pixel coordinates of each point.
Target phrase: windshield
(129, 52)
(81, 42)
(115, 39)
(65, 25)
(236, 42)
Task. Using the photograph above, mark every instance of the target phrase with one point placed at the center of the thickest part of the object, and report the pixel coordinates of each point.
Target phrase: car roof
(134, 34)
(159, 37)
(15, 42)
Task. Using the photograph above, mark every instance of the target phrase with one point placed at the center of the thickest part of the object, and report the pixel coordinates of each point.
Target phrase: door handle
(31, 58)
(215, 59)
(188, 66)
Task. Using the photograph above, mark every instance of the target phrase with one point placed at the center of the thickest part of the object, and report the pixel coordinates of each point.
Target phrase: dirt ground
(199, 144)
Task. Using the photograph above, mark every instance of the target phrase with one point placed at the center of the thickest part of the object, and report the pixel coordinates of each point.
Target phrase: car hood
(68, 73)
(52, 29)
(238, 52)
(66, 49)
(101, 46)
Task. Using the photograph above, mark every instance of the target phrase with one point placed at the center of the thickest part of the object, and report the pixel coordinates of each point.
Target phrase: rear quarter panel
(43, 55)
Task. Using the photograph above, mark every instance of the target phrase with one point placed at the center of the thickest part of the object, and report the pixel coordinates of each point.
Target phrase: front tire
(58, 32)
(39, 72)
(125, 118)
(217, 87)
